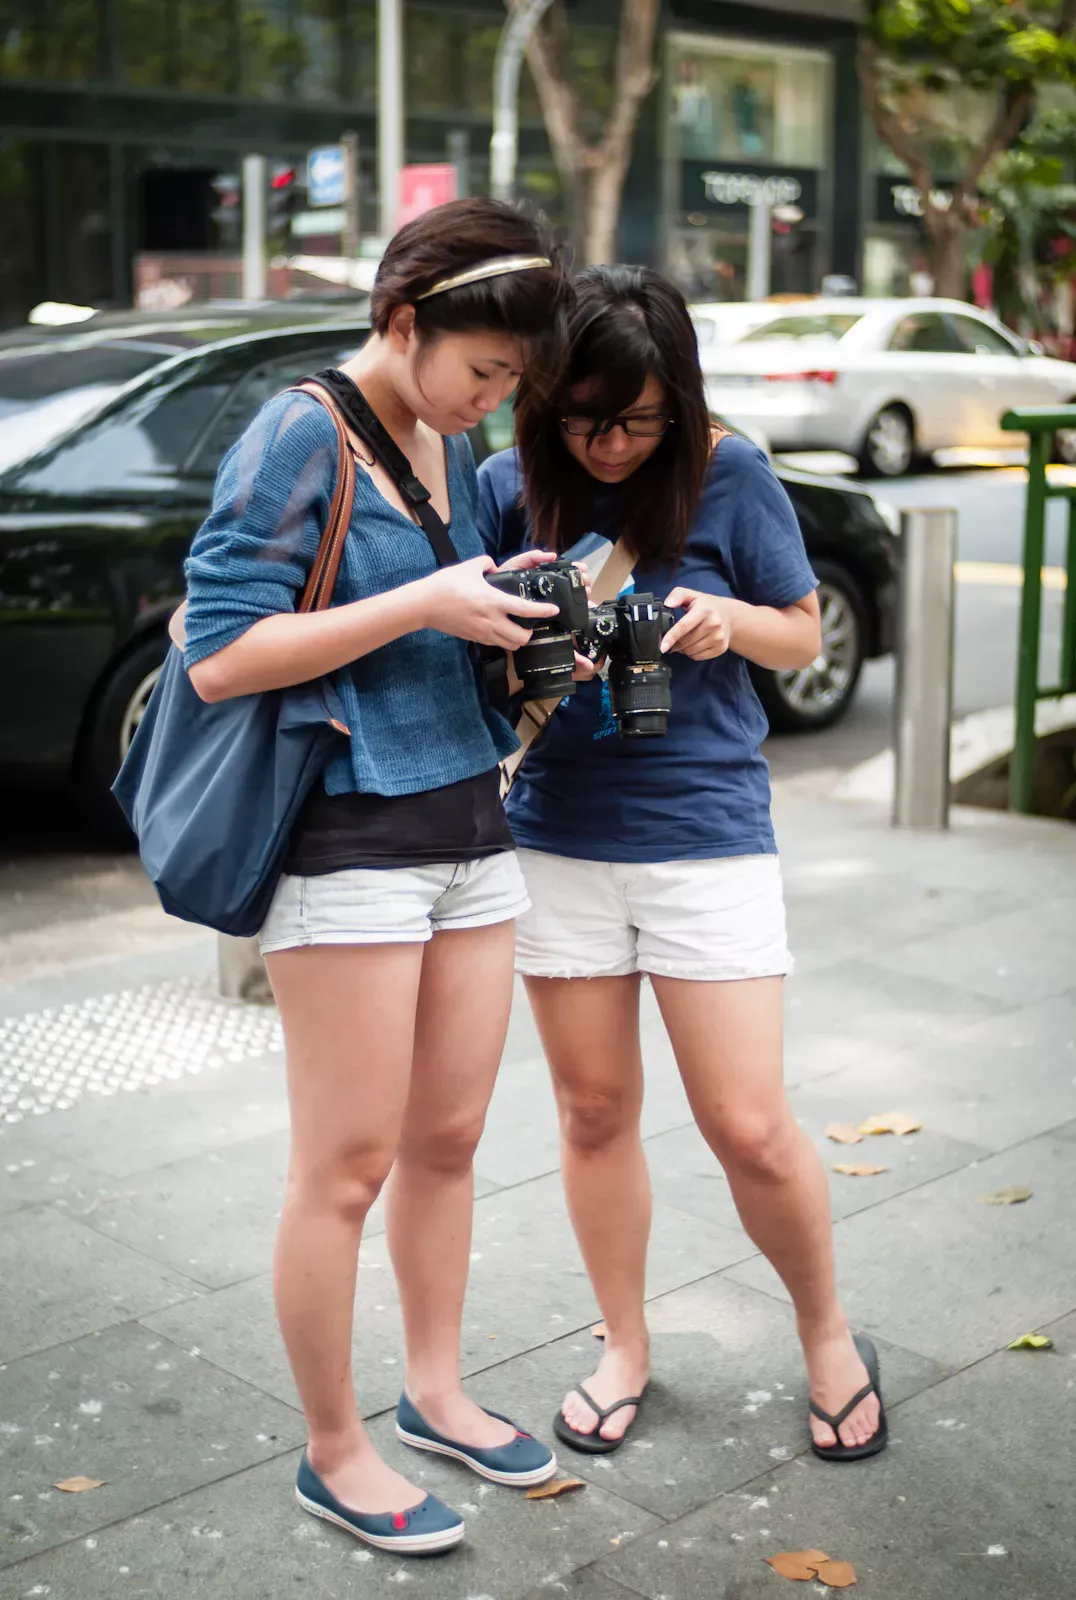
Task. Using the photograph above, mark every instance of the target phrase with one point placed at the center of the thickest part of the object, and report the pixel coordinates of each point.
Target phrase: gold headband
(496, 268)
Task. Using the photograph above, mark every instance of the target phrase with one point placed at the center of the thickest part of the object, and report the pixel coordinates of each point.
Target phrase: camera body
(546, 663)
(629, 631)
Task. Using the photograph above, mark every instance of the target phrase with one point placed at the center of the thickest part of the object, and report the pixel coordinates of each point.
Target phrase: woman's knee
(758, 1142)
(592, 1118)
(344, 1184)
(445, 1147)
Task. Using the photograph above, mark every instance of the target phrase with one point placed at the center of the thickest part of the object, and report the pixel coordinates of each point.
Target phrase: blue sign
(326, 176)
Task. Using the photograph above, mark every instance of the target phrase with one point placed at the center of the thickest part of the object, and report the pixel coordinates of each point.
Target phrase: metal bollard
(924, 669)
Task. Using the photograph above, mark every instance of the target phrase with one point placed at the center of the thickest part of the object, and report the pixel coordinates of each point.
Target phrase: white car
(886, 381)
(722, 322)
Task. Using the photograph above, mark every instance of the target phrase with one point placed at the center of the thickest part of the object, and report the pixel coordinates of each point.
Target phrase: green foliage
(981, 43)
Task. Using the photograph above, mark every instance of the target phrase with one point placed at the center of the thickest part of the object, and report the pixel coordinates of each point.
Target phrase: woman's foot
(622, 1370)
(456, 1416)
(835, 1372)
(356, 1475)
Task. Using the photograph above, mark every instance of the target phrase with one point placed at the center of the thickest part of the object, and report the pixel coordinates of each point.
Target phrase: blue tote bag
(211, 791)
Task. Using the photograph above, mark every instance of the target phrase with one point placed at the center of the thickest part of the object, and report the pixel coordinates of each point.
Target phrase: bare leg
(349, 1017)
(590, 1031)
(728, 1043)
(463, 1007)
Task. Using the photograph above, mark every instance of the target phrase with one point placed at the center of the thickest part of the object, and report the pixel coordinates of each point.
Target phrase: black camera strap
(364, 422)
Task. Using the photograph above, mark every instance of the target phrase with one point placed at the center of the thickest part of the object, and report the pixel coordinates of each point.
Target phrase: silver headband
(498, 267)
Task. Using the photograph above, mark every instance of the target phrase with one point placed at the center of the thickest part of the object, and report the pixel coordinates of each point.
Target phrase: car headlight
(889, 513)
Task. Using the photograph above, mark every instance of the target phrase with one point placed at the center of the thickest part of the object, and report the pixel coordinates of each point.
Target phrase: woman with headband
(389, 943)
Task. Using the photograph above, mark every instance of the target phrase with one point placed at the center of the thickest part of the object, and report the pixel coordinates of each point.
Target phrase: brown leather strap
(322, 579)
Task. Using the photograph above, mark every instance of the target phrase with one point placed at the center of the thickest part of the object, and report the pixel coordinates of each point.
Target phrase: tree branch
(560, 108)
(636, 75)
(1010, 118)
(889, 126)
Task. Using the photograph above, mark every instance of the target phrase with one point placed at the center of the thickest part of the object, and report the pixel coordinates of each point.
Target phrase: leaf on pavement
(843, 1133)
(1031, 1341)
(1014, 1195)
(598, 1330)
(799, 1565)
(898, 1122)
(858, 1169)
(549, 1491)
(837, 1574)
(79, 1485)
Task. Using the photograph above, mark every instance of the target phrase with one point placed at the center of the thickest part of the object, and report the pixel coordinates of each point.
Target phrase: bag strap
(322, 580)
(361, 418)
(608, 582)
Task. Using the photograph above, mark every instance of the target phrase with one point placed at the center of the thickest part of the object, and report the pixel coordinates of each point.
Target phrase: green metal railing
(1040, 423)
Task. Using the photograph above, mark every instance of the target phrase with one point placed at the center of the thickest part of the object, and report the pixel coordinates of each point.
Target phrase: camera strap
(607, 584)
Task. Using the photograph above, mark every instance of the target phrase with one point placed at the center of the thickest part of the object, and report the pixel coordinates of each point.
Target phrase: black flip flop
(592, 1444)
(880, 1437)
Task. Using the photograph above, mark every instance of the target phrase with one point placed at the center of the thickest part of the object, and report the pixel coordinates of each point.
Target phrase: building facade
(123, 124)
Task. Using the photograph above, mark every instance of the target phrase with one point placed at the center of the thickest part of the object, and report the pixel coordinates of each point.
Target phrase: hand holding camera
(468, 601)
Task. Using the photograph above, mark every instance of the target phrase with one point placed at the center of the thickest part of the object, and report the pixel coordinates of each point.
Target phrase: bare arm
(780, 639)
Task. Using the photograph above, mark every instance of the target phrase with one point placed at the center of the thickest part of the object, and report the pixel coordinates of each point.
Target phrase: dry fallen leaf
(837, 1574)
(548, 1491)
(858, 1169)
(798, 1565)
(1014, 1195)
(1031, 1341)
(843, 1133)
(598, 1330)
(898, 1122)
(79, 1485)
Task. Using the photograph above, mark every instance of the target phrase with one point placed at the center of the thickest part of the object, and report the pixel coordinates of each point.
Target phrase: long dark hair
(530, 305)
(628, 323)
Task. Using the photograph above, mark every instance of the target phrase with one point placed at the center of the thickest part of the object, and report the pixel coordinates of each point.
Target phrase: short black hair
(627, 324)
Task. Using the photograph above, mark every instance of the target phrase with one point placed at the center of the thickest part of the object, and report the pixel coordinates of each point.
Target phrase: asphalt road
(51, 871)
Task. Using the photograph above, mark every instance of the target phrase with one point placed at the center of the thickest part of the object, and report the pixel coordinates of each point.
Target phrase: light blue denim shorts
(393, 905)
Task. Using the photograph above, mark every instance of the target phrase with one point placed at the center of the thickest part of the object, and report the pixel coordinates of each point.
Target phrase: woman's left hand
(707, 628)
(538, 558)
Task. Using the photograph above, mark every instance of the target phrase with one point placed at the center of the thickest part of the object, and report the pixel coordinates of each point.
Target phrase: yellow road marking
(1005, 574)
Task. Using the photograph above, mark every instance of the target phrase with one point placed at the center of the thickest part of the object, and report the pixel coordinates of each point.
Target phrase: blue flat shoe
(521, 1463)
(424, 1530)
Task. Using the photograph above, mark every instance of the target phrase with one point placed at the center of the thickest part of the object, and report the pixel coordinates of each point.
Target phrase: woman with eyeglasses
(656, 855)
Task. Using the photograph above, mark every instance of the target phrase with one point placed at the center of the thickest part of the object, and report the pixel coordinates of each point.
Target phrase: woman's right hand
(458, 600)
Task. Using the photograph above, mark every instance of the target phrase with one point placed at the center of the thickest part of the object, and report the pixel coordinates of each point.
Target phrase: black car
(110, 438)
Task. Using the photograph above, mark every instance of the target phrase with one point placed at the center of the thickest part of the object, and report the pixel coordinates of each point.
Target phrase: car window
(29, 377)
(981, 339)
(823, 325)
(250, 394)
(925, 333)
(133, 447)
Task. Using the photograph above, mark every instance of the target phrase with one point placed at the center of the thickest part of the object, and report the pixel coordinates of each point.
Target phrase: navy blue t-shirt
(704, 789)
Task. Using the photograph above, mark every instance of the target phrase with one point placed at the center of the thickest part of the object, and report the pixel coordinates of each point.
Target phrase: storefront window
(143, 43)
(738, 102)
(319, 26)
(59, 40)
(430, 59)
(362, 21)
(206, 48)
(479, 51)
(269, 50)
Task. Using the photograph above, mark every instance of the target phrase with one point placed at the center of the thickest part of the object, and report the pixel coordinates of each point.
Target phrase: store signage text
(748, 189)
(908, 202)
(707, 186)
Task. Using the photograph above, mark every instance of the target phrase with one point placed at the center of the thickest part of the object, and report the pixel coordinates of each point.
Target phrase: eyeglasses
(634, 427)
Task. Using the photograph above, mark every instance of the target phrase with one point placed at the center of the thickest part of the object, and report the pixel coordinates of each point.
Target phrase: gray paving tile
(938, 1272)
(728, 1399)
(685, 1173)
(1019, 958)
(212, 1216)
(968, 1503)
(993, 1084)
(31, 1173)
(832, 920)
(527, 1285)
(588, 1584)
(876, 1004)
(127, 1133)
(68, 1281)
(128, 1407)
(246, 1539)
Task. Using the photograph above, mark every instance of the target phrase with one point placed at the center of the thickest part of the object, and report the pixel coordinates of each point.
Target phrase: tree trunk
(603, 189)
(948, 257)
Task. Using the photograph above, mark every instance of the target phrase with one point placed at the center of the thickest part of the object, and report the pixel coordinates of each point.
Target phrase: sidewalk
(936, 975)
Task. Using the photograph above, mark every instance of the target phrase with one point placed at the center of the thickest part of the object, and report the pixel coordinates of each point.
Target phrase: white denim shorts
(716, 920)
(393, 905)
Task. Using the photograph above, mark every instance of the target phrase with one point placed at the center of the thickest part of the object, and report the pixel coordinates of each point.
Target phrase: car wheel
(889, 444)
(1063, 445)
(819, 695)
(110, 727)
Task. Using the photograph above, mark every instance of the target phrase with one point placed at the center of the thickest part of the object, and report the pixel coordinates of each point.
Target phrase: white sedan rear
(885, 381)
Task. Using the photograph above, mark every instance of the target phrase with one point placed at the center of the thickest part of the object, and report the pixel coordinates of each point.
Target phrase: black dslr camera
(546, 663)
(629, 631)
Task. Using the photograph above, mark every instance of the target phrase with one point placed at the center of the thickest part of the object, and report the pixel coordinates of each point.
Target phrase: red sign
(423, 187)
